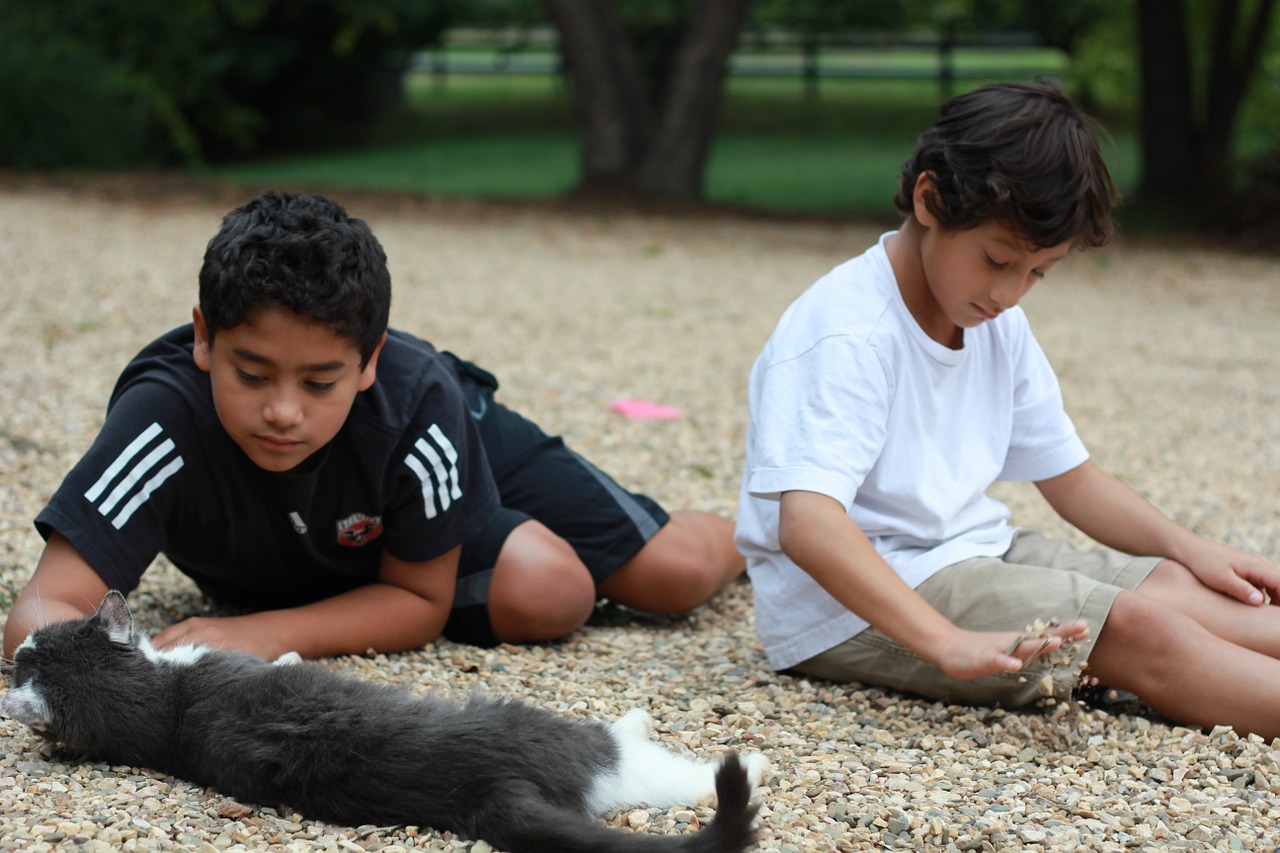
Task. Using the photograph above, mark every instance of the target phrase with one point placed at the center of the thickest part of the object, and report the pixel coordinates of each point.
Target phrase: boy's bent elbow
(31, 612)
(64, 586)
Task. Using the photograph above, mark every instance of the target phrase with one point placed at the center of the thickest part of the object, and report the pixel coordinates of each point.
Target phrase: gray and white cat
(349, 751)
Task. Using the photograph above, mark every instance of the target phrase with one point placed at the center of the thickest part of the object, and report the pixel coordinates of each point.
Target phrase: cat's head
(69, 676)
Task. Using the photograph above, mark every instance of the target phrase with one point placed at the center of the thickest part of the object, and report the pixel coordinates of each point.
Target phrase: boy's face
(282, 383)
(972, 275)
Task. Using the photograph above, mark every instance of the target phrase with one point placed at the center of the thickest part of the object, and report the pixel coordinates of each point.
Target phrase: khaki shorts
(1037, 578)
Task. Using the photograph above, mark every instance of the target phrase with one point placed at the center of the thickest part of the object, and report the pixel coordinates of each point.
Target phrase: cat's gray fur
(345, 750)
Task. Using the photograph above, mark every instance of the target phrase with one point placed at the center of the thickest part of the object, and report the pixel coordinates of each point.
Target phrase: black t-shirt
(406, 473)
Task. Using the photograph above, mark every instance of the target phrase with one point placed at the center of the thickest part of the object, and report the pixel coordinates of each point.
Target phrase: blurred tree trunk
(1168, 132)
(641, 136)
(1186, 144)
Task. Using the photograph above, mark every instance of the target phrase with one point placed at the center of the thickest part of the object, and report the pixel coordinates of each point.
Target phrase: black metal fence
(841, 56)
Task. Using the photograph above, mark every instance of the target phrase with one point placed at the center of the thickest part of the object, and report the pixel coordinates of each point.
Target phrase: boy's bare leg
(1251, 626)
(540, 589)
(689, 560)
(1184, 670)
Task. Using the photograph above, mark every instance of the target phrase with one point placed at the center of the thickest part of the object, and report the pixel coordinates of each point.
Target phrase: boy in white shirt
(903, 384)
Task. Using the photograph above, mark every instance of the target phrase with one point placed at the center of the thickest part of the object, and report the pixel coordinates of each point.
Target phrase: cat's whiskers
(40, 621)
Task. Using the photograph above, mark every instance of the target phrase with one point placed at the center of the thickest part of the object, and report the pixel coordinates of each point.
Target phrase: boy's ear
(920, 195)
(201, 352)
(370, 371)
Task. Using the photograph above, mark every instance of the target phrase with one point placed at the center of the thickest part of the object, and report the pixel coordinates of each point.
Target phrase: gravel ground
(1168, 356)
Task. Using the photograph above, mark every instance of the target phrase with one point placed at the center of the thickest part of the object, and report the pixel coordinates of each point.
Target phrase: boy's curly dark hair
(303, 253)
(1019, 154)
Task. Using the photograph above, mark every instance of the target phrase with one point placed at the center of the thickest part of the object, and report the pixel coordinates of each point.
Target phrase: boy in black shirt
(348, 484)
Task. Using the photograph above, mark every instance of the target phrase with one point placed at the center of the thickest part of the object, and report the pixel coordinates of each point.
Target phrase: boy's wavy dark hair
(1019, 154)
(303, 253)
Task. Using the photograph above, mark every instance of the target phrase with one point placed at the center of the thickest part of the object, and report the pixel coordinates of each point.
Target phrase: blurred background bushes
(131, 82)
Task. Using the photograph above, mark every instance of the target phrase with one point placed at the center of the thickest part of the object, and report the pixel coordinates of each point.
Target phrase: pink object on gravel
(645, 410)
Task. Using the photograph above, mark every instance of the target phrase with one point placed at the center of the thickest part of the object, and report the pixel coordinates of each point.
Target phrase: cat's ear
(116, 619)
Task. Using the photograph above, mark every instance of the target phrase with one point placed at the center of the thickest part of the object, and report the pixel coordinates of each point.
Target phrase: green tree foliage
(61, 104)
(1200, 81)
(131, 81)
(1055, 24)
(1058, 24)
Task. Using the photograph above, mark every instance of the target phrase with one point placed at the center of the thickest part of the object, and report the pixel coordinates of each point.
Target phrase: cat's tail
(732, 830)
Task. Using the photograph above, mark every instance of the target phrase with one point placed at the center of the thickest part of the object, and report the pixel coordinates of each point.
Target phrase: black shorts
(540, 478)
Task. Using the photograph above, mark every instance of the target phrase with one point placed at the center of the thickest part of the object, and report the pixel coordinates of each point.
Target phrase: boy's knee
(1170, 582)
(1140, 641)
(1139, 619)
(540, 589)
(691, 581)
(692, 559)
(537, 617)
(665, 580)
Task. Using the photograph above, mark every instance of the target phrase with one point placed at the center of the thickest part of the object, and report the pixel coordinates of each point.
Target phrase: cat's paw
(288, 659)
(757, 767)
(636, 723)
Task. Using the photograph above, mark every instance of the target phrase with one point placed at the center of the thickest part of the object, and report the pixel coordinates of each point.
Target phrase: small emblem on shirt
(298, 524)
(439, 474)
(132, 476)
(357, 529)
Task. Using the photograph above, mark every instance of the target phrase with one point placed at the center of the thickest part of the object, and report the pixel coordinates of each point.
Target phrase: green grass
(804, 175)
(778, 147)
(528, 166)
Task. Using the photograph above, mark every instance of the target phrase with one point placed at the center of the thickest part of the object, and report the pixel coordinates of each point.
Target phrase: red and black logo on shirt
(358, 529)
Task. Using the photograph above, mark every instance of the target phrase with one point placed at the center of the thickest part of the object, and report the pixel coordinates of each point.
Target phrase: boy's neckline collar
(938, 352)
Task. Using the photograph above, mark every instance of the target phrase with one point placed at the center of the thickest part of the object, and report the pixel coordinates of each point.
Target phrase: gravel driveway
(1169, 357)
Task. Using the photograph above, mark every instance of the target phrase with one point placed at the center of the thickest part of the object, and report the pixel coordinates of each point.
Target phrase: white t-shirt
(851, 399)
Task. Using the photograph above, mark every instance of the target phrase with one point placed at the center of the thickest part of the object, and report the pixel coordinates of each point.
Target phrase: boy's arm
(818, 535)
(64, 586)
(406, 608)
(1109, 511)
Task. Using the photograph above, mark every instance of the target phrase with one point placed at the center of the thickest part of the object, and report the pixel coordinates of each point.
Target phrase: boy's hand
(1250, 578)
(220, 632)
(971, 654)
